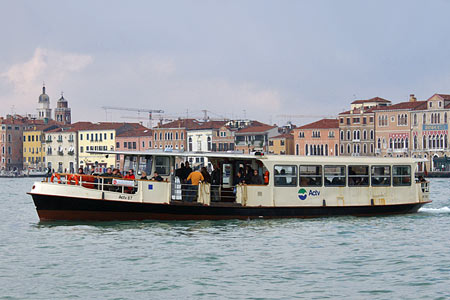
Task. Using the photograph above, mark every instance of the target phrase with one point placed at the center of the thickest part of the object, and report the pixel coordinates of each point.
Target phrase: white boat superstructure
(294, 187)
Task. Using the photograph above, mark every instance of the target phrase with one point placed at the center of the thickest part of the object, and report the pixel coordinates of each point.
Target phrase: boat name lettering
(123, 197)
(314, 193)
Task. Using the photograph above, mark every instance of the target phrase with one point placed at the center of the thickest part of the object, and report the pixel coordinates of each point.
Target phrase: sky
(236, 59)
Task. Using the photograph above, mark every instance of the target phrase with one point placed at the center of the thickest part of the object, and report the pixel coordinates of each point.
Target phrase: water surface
(394, 257)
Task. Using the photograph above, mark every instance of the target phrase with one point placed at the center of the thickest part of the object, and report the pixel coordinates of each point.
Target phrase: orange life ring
(73, 177)
(57, 176)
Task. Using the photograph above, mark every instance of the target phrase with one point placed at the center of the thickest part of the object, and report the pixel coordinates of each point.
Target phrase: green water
(396, 257)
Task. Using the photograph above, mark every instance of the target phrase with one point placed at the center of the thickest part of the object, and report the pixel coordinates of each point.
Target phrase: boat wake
(441, 210)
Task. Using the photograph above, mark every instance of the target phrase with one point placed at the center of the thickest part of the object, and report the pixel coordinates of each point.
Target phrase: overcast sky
(258, 59)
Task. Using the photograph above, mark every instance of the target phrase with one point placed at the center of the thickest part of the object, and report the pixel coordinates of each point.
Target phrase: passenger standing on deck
(239, 178)
(195, 178)
(130, 174)
(157, 177)
(248, 174)
(179, 172)
(215, 183)
(92, 171)
(187, 170)
(144, 175)
(205, 175)
(256, 179)
(107, 179)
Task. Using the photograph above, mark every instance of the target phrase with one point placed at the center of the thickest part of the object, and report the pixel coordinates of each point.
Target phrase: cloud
(47, 65)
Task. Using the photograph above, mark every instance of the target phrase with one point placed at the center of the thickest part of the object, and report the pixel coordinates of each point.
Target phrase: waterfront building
(317, 138)
(254, 137)
(44, 110)
(393, 128)
(282, 144)
(224, 138)
(200, 137)
(357, 127)
(34, 157)
(100, 136)
(173, 135)
(61, 147)
(429, 133)
(62, 111)
(11, 142)
(133, 140)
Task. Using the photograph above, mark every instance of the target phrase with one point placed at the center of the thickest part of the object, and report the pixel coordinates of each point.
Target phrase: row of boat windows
(336, 175)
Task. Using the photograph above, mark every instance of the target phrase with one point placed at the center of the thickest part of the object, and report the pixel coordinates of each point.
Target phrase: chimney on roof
(412, 98)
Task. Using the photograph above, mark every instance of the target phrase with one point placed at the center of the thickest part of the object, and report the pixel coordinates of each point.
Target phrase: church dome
(44, 97)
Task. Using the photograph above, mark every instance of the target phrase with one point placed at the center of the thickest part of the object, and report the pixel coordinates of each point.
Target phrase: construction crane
(306, 116)
(138, 110)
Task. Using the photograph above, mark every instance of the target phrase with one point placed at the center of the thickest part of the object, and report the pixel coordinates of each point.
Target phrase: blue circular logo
(302, 194)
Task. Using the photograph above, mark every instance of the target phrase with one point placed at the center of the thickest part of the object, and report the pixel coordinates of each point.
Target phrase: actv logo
(302, 194)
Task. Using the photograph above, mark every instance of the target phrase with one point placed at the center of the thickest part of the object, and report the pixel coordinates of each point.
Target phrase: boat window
(129, 163)
(401, 175)
(162, 165)
(285, 175)
(381, 175)
(334, 175)
(358, 175)
(310, 175)
(145, 164)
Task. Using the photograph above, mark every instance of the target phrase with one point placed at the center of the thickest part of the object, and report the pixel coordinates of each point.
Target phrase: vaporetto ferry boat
(295, 187)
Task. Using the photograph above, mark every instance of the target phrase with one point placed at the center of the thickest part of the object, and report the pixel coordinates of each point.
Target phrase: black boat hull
(71, 208)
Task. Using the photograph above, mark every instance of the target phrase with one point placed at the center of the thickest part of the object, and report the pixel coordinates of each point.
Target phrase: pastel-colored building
(254, 137)
(282, 144)
(357, 127)
(173, 135)
(393, 128)
(100, 136)
(11, 143)
(33, 146)
(429, 133)
(61, 147)
(317, 138)
(133, 140)
(224, 139)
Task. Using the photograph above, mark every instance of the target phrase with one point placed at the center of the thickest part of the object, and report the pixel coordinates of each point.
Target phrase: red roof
(259, 127)
(136, 133)
(375, 99)
(111, 125)
(358, 111)
(402, 106)
(322, 124)
(283, 136)
(443, 96)
(180, 123)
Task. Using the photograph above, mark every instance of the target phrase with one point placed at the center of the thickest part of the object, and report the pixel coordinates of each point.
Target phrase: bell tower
(44, 110)
(62, 112)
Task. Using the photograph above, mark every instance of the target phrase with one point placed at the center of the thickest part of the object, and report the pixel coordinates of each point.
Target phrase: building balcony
(401, 150)
(59, 140)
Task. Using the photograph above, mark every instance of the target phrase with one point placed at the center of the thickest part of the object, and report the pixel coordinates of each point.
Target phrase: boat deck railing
(179, 191)
(425, 186)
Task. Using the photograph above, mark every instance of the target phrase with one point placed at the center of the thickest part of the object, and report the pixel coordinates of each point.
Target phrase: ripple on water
(379, 257)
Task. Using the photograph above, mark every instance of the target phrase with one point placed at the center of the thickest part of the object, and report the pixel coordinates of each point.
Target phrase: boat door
(227, 175)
